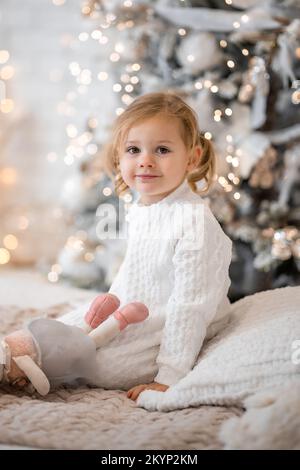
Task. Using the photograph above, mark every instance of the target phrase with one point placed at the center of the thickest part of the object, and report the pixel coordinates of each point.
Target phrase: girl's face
(155, 147)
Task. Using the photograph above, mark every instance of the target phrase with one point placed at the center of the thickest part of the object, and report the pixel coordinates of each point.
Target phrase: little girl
(181, 275)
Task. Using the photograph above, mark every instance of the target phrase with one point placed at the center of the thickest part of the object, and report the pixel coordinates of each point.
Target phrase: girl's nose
(146, 160)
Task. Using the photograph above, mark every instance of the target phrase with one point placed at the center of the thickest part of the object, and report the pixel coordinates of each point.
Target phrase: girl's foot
(101, 308)
(134, 312)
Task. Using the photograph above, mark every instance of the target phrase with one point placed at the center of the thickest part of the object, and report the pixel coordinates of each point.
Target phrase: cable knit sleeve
(200, 281)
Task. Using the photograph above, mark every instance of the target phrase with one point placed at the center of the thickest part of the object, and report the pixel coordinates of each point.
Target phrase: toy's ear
(34, 373)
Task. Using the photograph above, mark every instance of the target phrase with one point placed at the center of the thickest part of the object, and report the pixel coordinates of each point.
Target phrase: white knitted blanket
(253, 353)
(105, 419)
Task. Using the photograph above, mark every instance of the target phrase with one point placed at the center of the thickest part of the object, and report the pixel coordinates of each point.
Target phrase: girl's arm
(201, 279)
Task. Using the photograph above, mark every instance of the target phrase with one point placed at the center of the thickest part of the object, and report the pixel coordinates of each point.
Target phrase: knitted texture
(253, 353)
(176, 263)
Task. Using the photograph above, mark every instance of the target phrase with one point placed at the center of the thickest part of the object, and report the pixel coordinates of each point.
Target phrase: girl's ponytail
(206, 167)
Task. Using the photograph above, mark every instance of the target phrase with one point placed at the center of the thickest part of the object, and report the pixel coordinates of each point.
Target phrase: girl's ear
(195, 158)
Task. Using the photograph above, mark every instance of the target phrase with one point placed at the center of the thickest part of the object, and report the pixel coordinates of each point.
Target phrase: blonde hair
(148, 106)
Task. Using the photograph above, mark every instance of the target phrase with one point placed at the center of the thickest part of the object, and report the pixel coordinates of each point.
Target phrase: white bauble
(198, 52)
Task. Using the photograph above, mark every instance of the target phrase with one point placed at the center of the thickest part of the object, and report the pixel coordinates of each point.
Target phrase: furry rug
(87, 418)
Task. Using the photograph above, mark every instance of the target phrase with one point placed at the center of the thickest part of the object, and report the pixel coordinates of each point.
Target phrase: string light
(223, 43)
(182, 32)
(102, 76)
(228, 112)
(230, 64)
(4, 256)
(4, 56)
(245, 52)
(10, 242)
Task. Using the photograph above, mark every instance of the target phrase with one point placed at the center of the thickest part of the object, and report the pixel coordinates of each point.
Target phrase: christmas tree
(237, 63)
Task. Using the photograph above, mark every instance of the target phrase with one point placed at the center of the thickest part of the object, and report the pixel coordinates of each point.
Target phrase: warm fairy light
(236, 195)
(23, 223)
(74, 68)
(228, 188)
(129, 88)
(93, 123)
(223, 43)
(6, 106)
(127, 3)
(89, 257)
(96, 34)
(214, 89)
(136, 67)
(52, 277)
(4, 256)
(4, 56)
(191, 58)
(127, 99)
(236, 180)
(230, 176)
(229, 138)
(83, 37)
(102, 76)
(235, 162)
(51, 157)
(229, 158)
(71, 131)
(245, 18)
(134, 80)
(125, 78)
(228, 111)
(10, 242)
(58, 3)
(119, 47)
(239, 152)
(114, 57)
(245, 52)
(117, 87)
(7, 72)
(119, 111)
(207, 83)
(8, 176)
(127, 198)
(208, 135)
(230, 64)
(182, 32)
(198, 85)
(103, 40)
(229, 2)
(222, 180)
(107, 191)
(236, 24)
(69, 160)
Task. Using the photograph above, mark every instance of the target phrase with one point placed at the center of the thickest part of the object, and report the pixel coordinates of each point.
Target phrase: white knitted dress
(177, 266)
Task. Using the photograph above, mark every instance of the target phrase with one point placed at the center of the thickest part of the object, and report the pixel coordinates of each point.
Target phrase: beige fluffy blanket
(87, 418)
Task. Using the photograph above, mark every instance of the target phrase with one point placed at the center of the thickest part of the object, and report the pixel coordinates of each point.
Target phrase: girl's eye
(164, 150)
(131, 148)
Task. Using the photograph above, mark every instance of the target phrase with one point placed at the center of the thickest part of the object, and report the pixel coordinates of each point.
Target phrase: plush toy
(49, 353)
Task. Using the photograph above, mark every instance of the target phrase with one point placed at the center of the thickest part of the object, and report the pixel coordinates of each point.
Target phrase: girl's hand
(134, 392)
